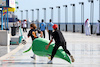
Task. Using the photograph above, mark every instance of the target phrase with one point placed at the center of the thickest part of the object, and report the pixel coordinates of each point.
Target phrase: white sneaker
(50, 62)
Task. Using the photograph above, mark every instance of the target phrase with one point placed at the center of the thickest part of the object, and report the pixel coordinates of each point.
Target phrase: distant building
(11, 17)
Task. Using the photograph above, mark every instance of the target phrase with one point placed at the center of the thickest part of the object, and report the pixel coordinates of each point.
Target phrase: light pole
(37, 18)
(66, 15)
(32, 15)
(99, 9)
(21, 16)
(91, 14)
(27, 17)
(5, 20)
(2, 19)
(73, 16)
(14, 19)
(82, 16)
(51, 13)
(44, 14)
(58, 16)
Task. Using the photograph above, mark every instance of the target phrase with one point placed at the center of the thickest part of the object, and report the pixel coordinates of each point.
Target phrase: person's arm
(40, 26)
(29, 34)
(49, 44)
(88, 24)
(45, 26)
(16, 23)
(34, 34)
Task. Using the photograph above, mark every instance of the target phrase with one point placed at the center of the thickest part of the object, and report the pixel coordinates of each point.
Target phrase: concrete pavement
(85, 49)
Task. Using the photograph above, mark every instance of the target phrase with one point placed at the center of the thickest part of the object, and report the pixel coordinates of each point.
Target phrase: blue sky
(34, 4)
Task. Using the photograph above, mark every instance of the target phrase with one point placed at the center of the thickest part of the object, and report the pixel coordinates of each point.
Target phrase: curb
(12, 52)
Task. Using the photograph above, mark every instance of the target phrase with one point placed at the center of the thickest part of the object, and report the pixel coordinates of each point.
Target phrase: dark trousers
(43, 33)
(56, 48)
(50, 33)
(24, 29)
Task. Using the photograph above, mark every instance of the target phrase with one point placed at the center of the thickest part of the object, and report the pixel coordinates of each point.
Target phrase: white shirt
(24, 24)
(87, 24)
(18, 24)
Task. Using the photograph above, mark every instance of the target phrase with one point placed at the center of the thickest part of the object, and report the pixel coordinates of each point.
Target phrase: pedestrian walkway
(85, 49)
(6, 49)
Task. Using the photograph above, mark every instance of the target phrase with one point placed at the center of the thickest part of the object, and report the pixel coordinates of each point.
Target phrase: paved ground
(6, 49)
(85, 49)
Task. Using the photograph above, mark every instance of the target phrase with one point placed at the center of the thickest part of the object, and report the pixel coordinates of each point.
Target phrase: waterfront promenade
(85, 49)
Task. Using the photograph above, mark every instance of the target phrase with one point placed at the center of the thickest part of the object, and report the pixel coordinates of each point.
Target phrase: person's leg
(67, 51)
(49, 34)
(86, 30)
(53, 53)
(89, 31)
(33, 57)
(44, 33)
(25, 29)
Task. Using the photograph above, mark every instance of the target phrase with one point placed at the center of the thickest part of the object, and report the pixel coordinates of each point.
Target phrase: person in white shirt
(87, 27)
(24, 24)
(98, 28)
(18, 23)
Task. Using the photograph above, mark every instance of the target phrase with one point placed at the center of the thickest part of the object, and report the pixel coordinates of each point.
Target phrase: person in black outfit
(59, 41)
(33, 33)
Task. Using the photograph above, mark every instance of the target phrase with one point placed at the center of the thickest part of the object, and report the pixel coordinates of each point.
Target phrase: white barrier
(4, 38)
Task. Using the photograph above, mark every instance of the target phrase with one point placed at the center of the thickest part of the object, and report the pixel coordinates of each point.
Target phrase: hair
(17, 19)
(33, 25)
(55, 29)
(99, 21)
(50, 20)
(87, 19)
(42, 20)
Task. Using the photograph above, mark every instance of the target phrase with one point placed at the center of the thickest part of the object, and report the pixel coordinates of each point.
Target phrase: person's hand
(46, 47)
(47, 30)
(28, 36)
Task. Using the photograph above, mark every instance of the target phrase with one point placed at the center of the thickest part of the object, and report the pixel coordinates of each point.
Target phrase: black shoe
(33, 58)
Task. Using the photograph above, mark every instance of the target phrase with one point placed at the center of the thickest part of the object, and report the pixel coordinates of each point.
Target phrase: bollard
(82, 28)
(73, 28)
(66, 27)
(91, 29)
(59, 26)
